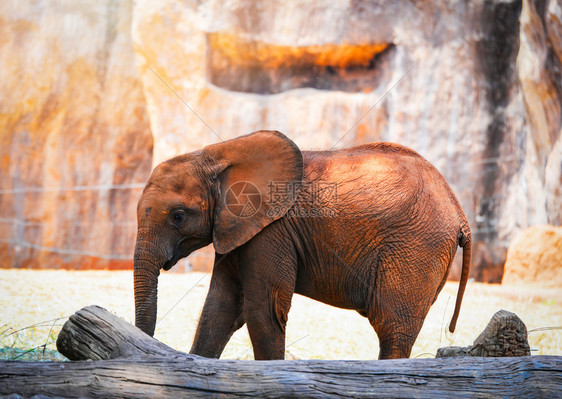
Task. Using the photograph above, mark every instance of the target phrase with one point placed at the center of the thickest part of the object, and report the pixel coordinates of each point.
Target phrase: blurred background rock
(94, 94)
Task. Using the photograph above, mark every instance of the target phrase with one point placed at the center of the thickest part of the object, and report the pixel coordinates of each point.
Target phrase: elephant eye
(179, 217)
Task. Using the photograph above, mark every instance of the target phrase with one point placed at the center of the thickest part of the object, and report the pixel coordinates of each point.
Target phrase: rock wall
(443, 78)
(473, 86)
(539, 66)
(74, 134)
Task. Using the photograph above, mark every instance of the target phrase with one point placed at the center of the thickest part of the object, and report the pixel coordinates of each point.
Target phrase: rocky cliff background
(93, 94)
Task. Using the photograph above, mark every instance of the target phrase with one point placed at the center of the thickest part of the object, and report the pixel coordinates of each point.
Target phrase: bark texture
(157, 377)
(130, 364)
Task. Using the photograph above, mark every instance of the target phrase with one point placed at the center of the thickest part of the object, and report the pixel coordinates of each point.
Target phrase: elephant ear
(247, 170)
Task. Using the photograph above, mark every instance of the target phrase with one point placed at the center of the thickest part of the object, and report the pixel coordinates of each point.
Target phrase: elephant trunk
(147, 264)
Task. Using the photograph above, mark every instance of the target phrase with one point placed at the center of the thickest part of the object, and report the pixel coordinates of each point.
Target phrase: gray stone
(504, 336)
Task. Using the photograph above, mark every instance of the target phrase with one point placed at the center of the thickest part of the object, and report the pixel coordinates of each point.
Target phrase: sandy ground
(314, 331)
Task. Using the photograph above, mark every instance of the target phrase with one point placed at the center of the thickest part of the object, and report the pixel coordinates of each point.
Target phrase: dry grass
(314, 331)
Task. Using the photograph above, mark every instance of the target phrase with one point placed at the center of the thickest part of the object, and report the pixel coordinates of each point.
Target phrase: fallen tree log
(132, 364)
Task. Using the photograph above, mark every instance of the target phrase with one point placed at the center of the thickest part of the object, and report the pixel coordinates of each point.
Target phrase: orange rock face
(94, 94)
(75, 140)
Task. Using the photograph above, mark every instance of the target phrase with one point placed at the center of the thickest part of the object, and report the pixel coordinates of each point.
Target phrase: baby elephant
(372, 228)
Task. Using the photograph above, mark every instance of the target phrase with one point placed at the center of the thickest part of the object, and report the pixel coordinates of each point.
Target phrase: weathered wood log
(94, 333)
(505, 335)
(522, 377)
(140, 366)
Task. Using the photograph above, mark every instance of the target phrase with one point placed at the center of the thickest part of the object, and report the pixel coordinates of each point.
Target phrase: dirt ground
(314, 331)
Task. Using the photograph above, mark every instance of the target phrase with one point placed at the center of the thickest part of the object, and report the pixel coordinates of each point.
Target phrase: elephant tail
(465, 241)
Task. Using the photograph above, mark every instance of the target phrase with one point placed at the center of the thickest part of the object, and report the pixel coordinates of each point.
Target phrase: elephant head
(194, 199)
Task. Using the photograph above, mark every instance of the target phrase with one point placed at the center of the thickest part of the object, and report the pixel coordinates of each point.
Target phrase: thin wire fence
(81, 237)
(101, 187)
(21, 233)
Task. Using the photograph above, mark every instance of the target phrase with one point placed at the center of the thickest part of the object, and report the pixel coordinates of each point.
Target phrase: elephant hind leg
(397, 339)
(397, 318)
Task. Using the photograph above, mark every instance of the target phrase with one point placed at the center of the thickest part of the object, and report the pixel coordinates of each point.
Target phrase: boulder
(504, 336)
(535, 256)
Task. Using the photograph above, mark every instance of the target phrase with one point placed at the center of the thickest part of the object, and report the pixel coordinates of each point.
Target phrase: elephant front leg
(266, 318)
(268, 272)
(221, 316)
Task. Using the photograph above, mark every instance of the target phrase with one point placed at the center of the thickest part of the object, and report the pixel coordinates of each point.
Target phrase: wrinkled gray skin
(383, 247)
